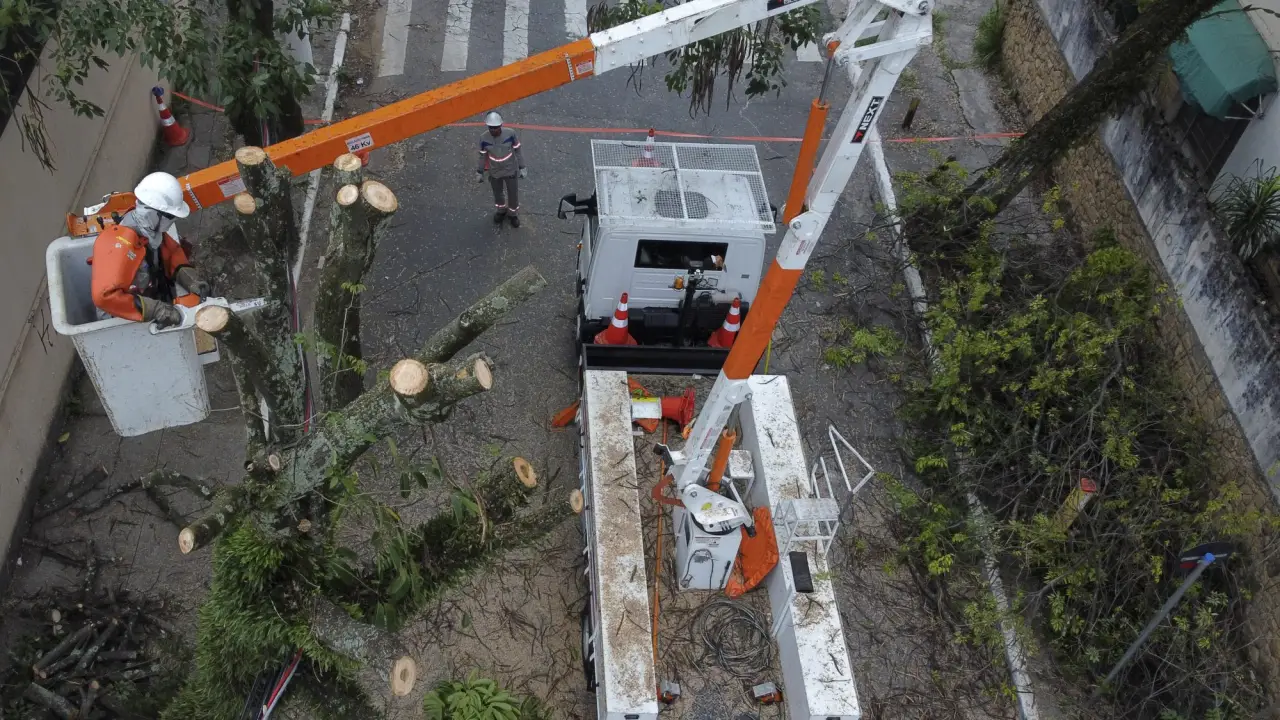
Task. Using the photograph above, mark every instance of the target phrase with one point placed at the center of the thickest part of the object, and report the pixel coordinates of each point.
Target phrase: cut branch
(50, 701)
(273, 185)
(473, 321)
(202, 531)
(429, 393)
(358, 216)
(248, 348)
(77, 490)
(365, 644)
(343, 436)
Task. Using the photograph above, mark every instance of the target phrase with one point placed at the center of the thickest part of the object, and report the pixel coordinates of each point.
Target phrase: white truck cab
(680, 228)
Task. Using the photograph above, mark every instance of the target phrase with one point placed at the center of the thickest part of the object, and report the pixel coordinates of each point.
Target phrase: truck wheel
(588, 664)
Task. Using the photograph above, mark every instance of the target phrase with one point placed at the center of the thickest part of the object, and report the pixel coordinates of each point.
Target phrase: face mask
(165, 224)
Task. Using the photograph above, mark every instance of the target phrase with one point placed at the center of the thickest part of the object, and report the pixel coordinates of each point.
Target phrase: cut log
(52, 702)
(61, 649)
(95, 647)
(356, 223)
(473, 321)
(576, 502)
(90, 696)
(334, 628)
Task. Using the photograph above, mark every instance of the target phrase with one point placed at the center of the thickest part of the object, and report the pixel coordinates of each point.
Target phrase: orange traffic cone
(728, 332)
(647, 158)
(174, 134)
(616, 333)
(679, 410)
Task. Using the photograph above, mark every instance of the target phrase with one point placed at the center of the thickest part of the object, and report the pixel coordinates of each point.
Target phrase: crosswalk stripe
(808, 53)
(515, 32)
(575, 18)
(395, 37)
(457, 35)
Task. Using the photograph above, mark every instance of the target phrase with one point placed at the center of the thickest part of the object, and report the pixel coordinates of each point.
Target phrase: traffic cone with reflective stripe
(174, 134)
(728, 332)
(616, 333)
(647, 158)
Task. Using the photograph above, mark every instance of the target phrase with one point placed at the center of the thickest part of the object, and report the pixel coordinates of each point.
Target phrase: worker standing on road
(500, 152)
(139, 271)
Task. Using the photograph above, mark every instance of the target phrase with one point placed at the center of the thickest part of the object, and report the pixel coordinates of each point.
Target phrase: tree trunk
(265, 217)
(359, 214)
(366, 644)
(1115, 79)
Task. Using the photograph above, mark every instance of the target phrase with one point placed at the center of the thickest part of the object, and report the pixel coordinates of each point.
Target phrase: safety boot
(499, 216)
(515, 219)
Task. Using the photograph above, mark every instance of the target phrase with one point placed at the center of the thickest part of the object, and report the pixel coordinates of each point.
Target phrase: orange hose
(727, 439)
(804, 162)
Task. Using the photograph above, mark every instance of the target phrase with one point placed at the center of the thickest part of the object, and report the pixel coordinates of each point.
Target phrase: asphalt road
(444, 251)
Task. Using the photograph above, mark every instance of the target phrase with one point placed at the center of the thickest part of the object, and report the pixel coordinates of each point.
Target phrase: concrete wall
(1129, 177)
(93, 156)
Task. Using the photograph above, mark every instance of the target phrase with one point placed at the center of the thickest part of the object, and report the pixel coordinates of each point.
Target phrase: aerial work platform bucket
(148, 379)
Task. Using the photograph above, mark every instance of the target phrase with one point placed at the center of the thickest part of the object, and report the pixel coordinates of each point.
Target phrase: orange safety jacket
(126, 269)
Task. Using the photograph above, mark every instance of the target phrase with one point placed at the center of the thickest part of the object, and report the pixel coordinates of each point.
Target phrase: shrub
(1249, 210)
(989, 40)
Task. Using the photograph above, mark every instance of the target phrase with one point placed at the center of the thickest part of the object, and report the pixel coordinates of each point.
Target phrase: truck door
(586, 248)
(659, 261)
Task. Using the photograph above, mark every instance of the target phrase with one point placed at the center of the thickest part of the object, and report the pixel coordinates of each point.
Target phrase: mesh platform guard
(685, 185)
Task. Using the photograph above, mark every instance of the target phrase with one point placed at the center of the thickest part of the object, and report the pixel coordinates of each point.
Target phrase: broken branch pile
(107, 657)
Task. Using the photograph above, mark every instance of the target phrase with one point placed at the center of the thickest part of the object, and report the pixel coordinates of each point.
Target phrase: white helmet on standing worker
(493, 119)
(161, 192)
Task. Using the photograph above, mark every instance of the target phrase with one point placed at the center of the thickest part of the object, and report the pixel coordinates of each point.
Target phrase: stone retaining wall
(1129, 177)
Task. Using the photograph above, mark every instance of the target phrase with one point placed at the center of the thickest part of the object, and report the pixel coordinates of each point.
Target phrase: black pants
(512, 202)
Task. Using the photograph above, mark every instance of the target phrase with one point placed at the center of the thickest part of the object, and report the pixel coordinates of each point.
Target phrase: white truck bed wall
(627, 688)
(816, 672)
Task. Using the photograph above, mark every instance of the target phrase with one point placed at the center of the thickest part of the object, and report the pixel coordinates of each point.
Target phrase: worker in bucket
(500, 153)
(140, 272)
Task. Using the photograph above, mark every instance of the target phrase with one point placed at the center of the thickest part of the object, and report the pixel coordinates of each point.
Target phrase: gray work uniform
(501, 155)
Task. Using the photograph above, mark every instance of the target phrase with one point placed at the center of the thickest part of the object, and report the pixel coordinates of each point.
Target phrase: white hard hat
(161, 191)
(493, 119)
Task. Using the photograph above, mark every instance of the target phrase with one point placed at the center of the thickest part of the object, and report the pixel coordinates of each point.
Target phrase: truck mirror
(568, 204)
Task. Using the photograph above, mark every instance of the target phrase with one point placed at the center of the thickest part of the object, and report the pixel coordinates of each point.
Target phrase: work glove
(161, 313)
(479, 177)
(524, 172)
(191, 280)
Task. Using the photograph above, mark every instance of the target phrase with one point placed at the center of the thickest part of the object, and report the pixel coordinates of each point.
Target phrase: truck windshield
(680, 255)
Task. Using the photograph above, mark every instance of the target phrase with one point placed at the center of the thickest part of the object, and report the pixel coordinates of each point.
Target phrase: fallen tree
(282, 581)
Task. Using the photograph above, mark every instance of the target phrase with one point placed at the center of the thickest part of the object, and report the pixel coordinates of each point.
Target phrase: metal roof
(686, 185)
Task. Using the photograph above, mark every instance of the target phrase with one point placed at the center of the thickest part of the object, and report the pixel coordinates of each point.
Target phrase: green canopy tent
(1223, 61)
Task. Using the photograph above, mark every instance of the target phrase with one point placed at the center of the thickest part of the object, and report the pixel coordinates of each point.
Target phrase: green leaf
(406, 484)
(466, 621)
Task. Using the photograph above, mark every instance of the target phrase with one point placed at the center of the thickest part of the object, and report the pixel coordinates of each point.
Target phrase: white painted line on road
(395, 37)
(515, 32)
(1015, 654)
(457, 35)
(575, 19)
(808, 52)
